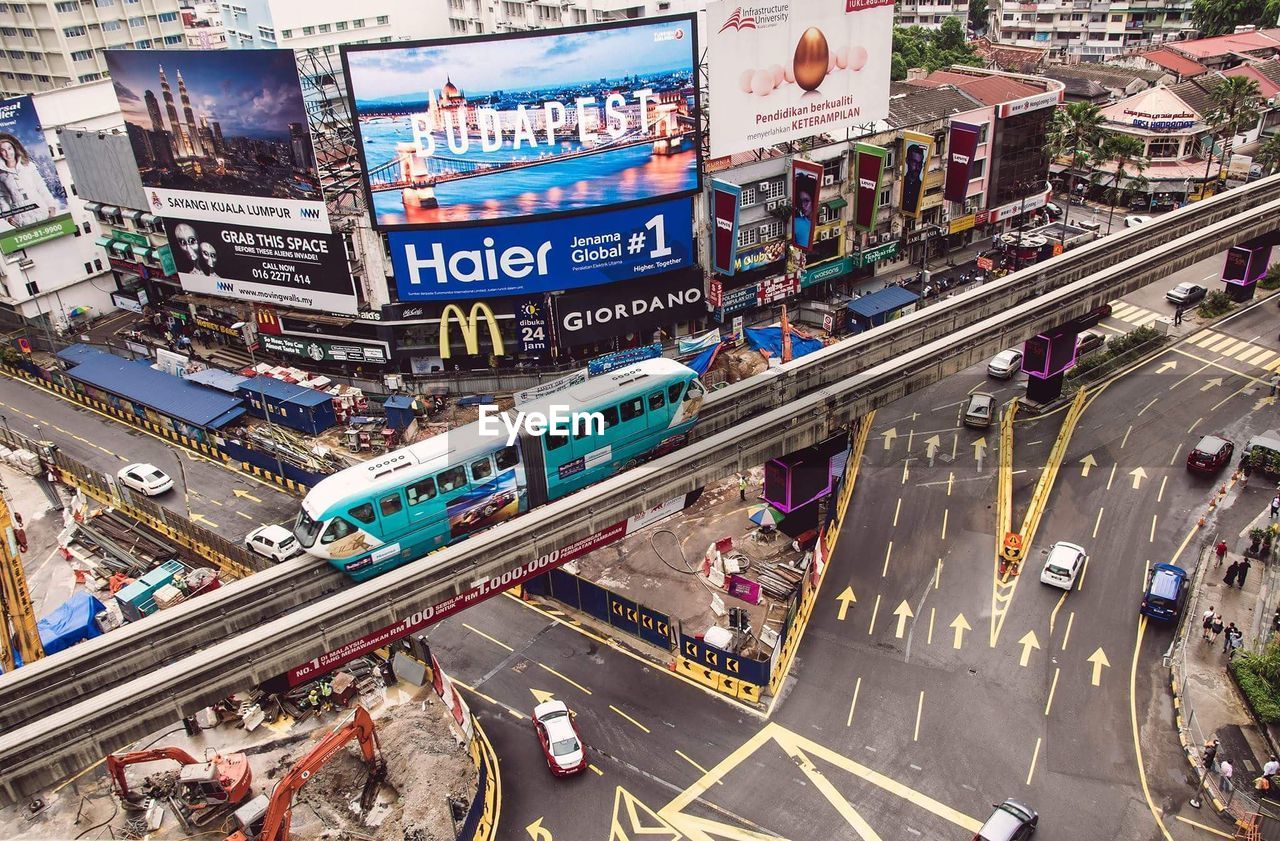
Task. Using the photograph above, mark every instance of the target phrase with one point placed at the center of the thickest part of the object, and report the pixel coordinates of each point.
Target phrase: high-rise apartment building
(930, 13)
(49, 44)
(476, 17)
(1089, 32)
(311, 24)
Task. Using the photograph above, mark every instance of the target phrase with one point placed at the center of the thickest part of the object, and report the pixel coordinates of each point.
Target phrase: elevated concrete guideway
(415, 595)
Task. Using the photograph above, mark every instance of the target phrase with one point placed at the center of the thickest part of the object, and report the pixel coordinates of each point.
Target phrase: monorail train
(387, 511)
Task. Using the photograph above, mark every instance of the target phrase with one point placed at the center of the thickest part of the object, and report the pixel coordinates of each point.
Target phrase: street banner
(806, 187)
(915, 163)
(528, 257)
(726, 198)
(962, 145)
(609, 312)
(788, 71)
(868, 164)
(33, 202)
(542, 123)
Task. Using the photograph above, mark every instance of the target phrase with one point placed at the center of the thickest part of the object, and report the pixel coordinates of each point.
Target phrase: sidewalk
(1207, 702)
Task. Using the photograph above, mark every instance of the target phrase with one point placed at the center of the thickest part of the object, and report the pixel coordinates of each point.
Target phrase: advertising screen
(546, 256)
(782, 72)
(725, 200)
(806, 185)
(527, 124)
(961, 147)
(869, 166)
(1245, 264)
(621, 308)
(33, 202)
(915, 163)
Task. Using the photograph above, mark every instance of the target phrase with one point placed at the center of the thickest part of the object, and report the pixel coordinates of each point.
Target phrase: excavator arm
(117, 762)
(275, 824)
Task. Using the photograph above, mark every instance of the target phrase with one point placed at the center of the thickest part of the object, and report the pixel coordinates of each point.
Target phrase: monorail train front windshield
(306, 530)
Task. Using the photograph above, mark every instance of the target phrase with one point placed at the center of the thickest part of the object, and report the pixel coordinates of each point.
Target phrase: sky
(252, 93)
(545, 59)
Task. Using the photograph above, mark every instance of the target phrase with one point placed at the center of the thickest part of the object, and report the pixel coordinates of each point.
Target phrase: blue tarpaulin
(703, 361)
(770, 339)
(71, 622)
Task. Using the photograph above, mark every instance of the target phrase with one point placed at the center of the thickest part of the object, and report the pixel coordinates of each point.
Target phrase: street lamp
(186, 486)
(243, 327)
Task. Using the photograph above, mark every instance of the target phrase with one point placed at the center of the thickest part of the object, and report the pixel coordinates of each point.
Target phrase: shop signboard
(622, 358)
(1017, 208)
(131, 238)
(777, 288)
(916, 148)
(542, 123)
(33, 201)
(363, 353)
(606, 312)
(533, 330)
(726, 198)
(167, 264)
(126, 266)
(455, 263)
(884, 251)
(219, 327)
(961, 224)
(124, 302)
(869, 167)
(787, 71)
(756, 258)
(962, 145)
(826, 271)
(1030, 103)
(715, 292)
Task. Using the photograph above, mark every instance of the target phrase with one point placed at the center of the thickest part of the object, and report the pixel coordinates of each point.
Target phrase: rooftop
(1009, 57)
(1175, 62)
(911, 105)
(989, 90)
(1219, 45)
(1265, 73)
(1112, 76)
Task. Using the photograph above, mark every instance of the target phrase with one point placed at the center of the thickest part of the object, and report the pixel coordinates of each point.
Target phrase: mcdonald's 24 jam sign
(469, 323)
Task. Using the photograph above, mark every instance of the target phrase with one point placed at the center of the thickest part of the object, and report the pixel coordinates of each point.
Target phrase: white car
(275, 542)
(145, 479)
(1005, 364)
(1136, 221)
(1063, 565)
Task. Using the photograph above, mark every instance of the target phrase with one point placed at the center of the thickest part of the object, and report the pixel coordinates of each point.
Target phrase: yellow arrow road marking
(541, 697)
(1028, 642)
(1089, 462)
(1099, 660)
(244, 495)
(538, 832)
(569, 681)
(845, 598)
(902, 611)
(960, 624)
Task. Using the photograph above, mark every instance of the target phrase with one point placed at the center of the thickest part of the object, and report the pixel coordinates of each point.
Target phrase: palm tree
(1268, 156)
(1126, 152)
(1075, 129)
(1236, 103)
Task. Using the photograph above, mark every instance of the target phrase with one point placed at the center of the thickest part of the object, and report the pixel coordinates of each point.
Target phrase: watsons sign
(443, 264)
(629, 307)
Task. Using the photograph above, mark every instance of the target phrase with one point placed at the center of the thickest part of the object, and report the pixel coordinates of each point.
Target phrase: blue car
(1166, 585)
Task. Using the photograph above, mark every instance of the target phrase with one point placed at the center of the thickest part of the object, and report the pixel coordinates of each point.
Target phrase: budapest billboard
(33, 202)
(527, 124)
(787, 71)
(299, 270)
(612, 311)
(221, 136)
(543, 256)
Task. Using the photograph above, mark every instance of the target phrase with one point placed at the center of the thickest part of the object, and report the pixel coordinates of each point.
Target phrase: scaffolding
(332, 131)
(19, 639)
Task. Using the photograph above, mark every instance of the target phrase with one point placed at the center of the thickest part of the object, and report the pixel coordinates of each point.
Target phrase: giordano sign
(470, 327)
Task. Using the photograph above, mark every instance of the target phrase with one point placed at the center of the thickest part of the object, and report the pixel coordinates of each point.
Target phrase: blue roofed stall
(881, 307)
(294, 406)
(140, 391)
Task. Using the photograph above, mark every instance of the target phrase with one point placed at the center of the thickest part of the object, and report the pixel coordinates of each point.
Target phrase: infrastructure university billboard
(225, 156)
(785, 71)
(466, 131)
(33, 202)
(543, 256)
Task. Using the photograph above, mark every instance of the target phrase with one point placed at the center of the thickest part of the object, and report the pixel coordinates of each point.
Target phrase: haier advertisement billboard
(472, 130)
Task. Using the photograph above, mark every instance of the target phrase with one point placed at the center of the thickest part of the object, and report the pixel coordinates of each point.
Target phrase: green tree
(978, 11)
(1236, 102)
(1075, 130)
(931, 49)
(1220, 17)
(1268, 155)
(1125, 151)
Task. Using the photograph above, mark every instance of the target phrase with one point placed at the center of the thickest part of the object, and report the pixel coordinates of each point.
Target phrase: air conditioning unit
(828, 179)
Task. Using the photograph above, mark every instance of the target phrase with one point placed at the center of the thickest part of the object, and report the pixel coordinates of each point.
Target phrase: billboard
(806, 185)
(868, 166)
(915, 162)
(103, 168)
(33, 202)
(1246, 264)
(612, 311)
(726, 198)
(543, 123)
(962, 145)
(784, 72)
(450, 263)
(299, 270)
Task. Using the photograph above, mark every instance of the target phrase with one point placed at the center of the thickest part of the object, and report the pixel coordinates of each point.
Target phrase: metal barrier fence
(652, 626)
(230, 558)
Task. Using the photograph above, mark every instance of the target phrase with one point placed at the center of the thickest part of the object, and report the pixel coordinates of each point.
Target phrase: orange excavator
(203, 788)
(267, 819)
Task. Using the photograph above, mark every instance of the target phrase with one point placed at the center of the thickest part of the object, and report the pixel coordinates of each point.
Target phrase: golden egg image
(778, 74)
(811, 59)
(857, 57)
(744, 81)
(762, 83)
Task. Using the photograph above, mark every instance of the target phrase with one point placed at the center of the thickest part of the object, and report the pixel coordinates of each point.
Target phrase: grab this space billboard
(785, 71)
(225, 156)
(537, 124)
(33, 202)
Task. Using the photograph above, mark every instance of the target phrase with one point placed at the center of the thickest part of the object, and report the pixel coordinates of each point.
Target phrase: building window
(167, 17)
(33, 288)
(386, 39)
(1164, 147)
(978, 168)
(286, 33)
(17, 54)
(88, 77)
(104, 4)
(82, 55)
(42, 78)
(358, 23)
(771, 230)
(341, 26)
(88, 227)
(383, 20)
(748, 196)
(308, 30)
(459, 26)
(579, 16)
(772, 190)
(832, 168)
(324, 27)
(144, 44)
(136, 23)
(28, 33)
(66, 6)
(97, 264)
(267, 34)
(173, 39)
(748, 237)
(110, 25)
(884, 197)
(88, 268)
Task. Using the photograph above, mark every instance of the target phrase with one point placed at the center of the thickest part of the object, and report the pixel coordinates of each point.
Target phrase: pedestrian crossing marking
(1233, 347)
(1239, 349)
(1255, 355)
(1273, 364)
(1121, 310)
(1207, 338)
(1216, 347)
(1199, 337)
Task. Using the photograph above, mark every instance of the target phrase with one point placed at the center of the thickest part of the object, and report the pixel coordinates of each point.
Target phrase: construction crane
(18, 634)
(267, 819)
(203, 788)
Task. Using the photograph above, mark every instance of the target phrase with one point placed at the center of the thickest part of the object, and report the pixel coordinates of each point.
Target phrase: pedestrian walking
(742, 488)
(1275, 506)
(1275, 383)
(1272, 766)
(1242, 572)
(1177, 315)
(1229, 634)
(1262, 786)
(1221, 551)
(1232, 570)
(1210, 752)
(1206, 622)
(1226, 771)
(1216, 628)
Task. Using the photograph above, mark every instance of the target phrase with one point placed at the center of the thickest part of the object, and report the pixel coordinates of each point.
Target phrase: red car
(1210, 454)
(558, 734)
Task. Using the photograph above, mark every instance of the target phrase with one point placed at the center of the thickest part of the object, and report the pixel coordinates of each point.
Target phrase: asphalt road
(221, 498)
